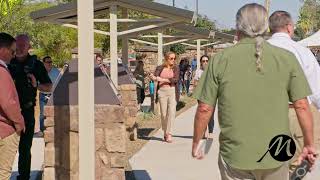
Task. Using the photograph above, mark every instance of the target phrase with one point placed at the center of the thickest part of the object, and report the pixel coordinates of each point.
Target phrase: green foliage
(46, 39)
(205, 23)
(178, 48)
(309, 18)
(7, 5)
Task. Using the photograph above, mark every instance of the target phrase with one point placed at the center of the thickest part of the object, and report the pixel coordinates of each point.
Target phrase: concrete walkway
(36, 163)
(161, 161)
(158, 160)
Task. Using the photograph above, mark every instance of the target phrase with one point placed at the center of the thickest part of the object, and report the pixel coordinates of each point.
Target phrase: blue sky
(223, 11)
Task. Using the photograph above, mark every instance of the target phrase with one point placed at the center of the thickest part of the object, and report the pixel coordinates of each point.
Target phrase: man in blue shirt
(44, 97)
(194, 64)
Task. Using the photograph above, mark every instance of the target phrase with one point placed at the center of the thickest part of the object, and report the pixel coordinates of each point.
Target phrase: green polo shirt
(252, 106)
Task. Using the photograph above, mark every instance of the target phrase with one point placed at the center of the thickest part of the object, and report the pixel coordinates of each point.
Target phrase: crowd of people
(186, 75)
(172, 81)
(21, 76)
(262, 89)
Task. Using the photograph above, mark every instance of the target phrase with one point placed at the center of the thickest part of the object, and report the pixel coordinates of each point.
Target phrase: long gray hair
(252, 21)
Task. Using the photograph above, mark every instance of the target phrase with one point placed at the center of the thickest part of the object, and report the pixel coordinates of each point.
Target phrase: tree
(205, 23)
(6, 6)
(178, 49)
(309, 18)
(46, 39)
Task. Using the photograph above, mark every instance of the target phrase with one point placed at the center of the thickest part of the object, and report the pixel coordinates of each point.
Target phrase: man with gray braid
(282, 28)
(252, 82)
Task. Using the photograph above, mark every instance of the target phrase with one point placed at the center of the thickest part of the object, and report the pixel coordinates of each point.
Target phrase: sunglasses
(49, 62)
(205, 61)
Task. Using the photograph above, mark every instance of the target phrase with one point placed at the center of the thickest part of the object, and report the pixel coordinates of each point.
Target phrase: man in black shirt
(29, 74)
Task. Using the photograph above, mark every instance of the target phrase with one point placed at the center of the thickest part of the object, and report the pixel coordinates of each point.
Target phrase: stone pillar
(49, 150)
(129, 102)
(62, 143)
(110, 142)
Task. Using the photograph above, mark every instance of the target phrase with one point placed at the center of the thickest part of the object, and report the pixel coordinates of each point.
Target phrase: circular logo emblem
(282, 148)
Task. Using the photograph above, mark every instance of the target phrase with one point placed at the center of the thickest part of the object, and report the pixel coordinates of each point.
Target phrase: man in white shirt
(282, 28)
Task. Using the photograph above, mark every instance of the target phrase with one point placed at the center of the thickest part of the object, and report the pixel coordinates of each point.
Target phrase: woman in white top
(203, 64)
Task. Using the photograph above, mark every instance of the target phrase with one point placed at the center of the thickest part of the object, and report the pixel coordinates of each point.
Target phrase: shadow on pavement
(141, 175)
(35, 175)
(144, 132)
(152, 138)
(180, 105)
(184, 137)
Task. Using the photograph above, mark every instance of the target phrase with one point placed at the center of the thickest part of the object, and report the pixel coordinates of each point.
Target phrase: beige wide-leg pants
(167, 100)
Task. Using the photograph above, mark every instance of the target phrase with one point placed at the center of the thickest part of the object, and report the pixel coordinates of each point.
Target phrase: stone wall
(62, 142)
(129, 102)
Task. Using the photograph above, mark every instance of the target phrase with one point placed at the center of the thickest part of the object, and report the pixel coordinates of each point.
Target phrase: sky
(224, 11)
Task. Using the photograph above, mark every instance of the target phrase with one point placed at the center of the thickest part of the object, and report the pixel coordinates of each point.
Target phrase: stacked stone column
(62, 142)
(129, 102)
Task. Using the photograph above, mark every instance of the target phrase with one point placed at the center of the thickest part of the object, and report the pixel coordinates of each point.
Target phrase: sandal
(168, 138)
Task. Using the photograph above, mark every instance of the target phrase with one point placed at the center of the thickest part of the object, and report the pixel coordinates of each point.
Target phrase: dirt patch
(148, 125)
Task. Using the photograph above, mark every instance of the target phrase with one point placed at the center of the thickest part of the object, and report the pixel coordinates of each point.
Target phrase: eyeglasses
(172, 58)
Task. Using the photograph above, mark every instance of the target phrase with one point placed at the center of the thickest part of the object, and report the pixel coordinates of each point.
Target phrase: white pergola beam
(144, 42)
(210, 44)
(204, 39)
(198, 53)
(95, 30)
(114, 44)
(160, 48)
(155, 36)
(86, 90)
(187, 44)
(148, 27)
(126, 20)
(125, 45)
(175, 42)
(165, 36)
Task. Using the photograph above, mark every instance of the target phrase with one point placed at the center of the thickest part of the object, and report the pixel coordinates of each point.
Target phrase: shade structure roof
(69, 10)
(311, 41)
(160, 18)
(167, 16)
